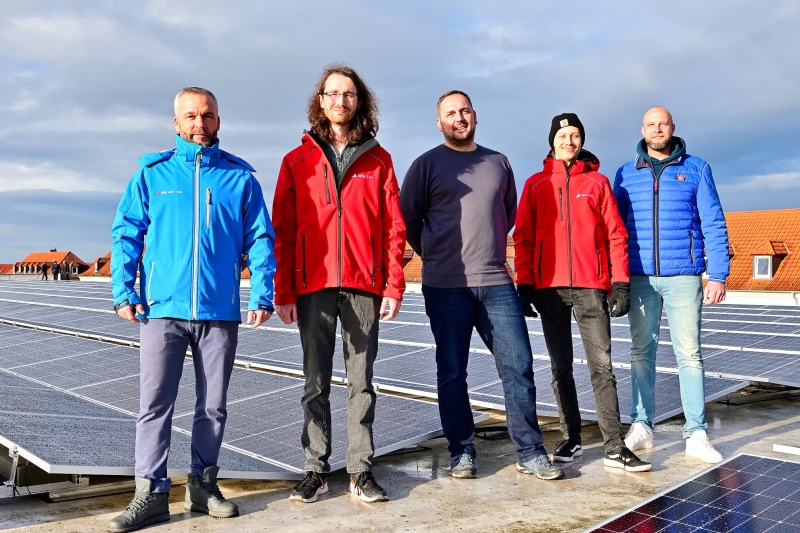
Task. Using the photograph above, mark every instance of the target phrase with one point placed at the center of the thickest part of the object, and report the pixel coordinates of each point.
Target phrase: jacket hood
(678, 150)
(586, 162)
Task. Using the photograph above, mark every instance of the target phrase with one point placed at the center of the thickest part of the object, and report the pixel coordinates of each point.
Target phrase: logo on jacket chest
(681, 177)
(584, 195)
(159, 193)
(362, 176)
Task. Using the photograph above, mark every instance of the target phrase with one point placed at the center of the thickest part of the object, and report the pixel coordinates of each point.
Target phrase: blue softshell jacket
(199, 209)
(674, 220)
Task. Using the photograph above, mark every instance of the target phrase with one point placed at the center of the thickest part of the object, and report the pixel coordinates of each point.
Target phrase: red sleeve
(525, 236)
(616, 236)
(284, 220)
(394, 235)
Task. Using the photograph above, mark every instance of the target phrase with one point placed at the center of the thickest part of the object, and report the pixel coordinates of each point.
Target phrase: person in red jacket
(339, 245)
(571, 250)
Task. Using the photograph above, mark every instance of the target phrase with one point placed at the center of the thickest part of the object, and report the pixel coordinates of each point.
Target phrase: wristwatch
(123, 303)
(268, 308)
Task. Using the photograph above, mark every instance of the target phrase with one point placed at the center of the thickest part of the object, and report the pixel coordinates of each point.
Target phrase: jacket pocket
(373, 260)
(599, 263)
(208, 207)
(150, 300)
(539, 266)
(235, 282)
(691, 246)
(303, 258)
(327, 187)
(560, 202)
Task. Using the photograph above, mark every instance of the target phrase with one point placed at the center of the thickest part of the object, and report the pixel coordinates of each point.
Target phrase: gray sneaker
(203, 496)
(146, 508)
(463, 466)
(541, 467)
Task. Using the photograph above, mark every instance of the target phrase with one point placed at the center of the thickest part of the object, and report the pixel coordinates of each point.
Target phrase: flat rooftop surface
(425, 498)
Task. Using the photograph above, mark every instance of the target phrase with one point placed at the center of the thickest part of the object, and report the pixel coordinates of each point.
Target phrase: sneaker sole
(529, 472)
(616, 464)
(322, 490)
(149, 522)
(566, 459)
(715, 461)
(463, 475)
(365, 498)
(193, 507)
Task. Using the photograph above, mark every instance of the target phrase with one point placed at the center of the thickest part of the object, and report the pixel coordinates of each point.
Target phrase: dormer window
(762, 266)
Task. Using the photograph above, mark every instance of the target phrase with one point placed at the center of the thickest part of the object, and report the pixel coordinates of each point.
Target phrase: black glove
(620, 302)
(526, 298)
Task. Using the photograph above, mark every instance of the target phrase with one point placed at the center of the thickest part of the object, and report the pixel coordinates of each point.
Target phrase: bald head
(657, 130)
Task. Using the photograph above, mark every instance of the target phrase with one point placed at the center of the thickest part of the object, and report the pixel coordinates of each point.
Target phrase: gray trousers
(317, 313)
(162, 355)
(590, 307)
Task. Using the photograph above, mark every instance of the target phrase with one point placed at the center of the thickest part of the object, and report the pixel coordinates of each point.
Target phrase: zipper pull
(655, 185)
(208, 196)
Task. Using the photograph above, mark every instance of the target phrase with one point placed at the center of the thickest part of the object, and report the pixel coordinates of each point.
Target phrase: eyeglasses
(333, 97)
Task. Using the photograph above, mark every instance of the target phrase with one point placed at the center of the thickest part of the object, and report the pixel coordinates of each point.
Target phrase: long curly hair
(366, 118)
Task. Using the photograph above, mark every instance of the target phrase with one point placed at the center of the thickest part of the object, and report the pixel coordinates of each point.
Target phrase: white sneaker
(639, 437)
(698, 445)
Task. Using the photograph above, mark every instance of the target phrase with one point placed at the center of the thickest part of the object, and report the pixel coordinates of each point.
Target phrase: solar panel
(264, 410)
(746, 493)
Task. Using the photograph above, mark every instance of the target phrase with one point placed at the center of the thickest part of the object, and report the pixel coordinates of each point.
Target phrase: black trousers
(590, 307)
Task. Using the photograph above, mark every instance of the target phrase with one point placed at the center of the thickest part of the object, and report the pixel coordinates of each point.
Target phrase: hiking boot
(639, 437)
(310, 488)
(698, 445)
(463, 466)
(541, 467)
(203, 496)
(146, 508)
(625, 459)
(365, 487)
(567, 450)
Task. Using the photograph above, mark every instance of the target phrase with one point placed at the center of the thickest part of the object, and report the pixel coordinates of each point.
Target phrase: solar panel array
(72, 402)
(406, 359)
(744, 494)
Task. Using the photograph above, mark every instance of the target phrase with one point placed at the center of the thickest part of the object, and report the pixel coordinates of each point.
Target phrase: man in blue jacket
(202, 211)
(677, 232)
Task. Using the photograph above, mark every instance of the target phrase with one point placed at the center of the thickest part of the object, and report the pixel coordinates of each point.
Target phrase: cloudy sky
(86, 88)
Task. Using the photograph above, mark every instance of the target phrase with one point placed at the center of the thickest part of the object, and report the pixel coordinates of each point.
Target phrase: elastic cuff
(159, 486)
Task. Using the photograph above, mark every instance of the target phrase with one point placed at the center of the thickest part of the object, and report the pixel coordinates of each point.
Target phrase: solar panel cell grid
(746, 493)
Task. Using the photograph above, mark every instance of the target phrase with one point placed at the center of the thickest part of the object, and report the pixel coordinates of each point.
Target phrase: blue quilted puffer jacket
(674, 219)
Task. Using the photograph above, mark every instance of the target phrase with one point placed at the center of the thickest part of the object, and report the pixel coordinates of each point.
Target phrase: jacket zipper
(541, 251)
(373, 260)
(327, 187)
(656, 178)
(599, 270)
(208, 207)
(236, 281)
(196, 244)
(569, 228)
(691, 246)
(303, 239)
(560, 204)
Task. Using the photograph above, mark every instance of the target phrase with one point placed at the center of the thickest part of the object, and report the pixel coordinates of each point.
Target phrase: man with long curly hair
(340, 239)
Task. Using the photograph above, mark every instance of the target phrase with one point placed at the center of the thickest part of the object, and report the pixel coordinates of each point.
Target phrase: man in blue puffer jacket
(202, 211)
(677, 232)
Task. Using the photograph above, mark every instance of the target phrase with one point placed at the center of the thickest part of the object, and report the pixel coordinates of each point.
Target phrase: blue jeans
(682, 298)
(496, 313)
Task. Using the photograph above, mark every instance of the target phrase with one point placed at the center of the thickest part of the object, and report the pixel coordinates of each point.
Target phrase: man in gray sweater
(459, 202)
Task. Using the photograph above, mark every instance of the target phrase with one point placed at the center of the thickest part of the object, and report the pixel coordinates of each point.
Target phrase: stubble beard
(467, 140)
(212, 138)
(653, 145)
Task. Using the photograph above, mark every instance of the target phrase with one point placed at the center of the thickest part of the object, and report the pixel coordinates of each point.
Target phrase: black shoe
(625, 459)
(567, 450)
(310, 488)
(365, 487)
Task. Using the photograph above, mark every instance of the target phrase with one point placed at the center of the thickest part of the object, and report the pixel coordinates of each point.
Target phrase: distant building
(765, 253)
(34, 262)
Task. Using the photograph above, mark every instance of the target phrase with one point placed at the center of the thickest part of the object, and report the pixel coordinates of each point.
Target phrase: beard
(459, 140)
(659, 145)
(188, 137)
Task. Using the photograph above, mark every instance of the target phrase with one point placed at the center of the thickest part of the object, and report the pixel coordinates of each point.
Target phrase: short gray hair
(192, 90)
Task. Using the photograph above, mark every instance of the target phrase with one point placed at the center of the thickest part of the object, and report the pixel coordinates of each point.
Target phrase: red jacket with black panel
(352, 236)
(569, 232)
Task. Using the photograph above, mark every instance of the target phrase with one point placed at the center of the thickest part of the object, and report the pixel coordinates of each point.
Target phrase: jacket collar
(586, 162)
(367, 143)
(677, 156)
(188, 151)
